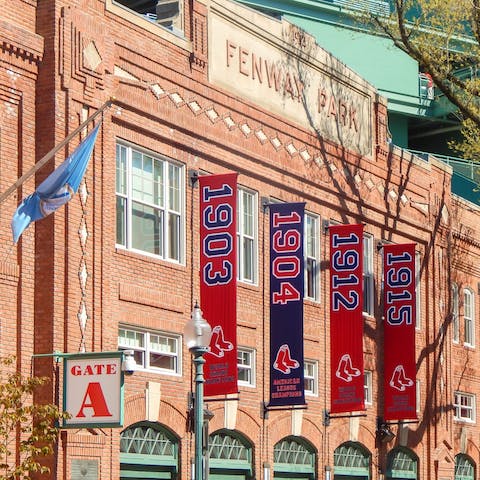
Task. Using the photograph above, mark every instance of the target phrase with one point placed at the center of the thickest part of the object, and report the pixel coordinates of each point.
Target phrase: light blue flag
(57, 189)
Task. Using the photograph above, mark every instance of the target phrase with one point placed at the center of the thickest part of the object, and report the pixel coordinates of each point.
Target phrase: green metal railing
(377, 7)
(466, 168)
(465, 178)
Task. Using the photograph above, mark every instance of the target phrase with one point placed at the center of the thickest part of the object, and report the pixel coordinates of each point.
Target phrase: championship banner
(218, 279)
(399, 332)
(346, 319)
(286, 304)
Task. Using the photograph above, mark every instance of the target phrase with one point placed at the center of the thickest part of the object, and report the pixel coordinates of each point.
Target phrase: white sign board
(93, 390)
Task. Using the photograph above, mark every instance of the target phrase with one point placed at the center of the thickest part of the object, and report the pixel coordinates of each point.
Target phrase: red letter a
(97, 401)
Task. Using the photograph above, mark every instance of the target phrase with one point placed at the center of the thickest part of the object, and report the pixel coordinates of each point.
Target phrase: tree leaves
(443, 36)
(31, 428)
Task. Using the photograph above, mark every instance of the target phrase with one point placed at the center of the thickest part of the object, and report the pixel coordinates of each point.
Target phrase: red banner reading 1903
(218, 279)
(399, 331)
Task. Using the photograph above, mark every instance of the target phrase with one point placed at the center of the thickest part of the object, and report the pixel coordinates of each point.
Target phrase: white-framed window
(464, 405)
(368, 276)
(167, 13)
(455, 322)
(247, 236)
(367, 387)
(418, 290)
(246, 366)
(155, 351)
(150, 203)
(469, 317)
(312, 257)
(310, 374)
(418, 397)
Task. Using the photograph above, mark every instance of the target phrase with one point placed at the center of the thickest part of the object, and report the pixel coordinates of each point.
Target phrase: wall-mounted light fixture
(384, 432)
(129, 365)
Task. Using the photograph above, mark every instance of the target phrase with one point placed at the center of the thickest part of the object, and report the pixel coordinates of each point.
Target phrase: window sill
(145, 257)
(247, 286)
(246, 385)
(465, 421)
(312, 302)
(150, 371)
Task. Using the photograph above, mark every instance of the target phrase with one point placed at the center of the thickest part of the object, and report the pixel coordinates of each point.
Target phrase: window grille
(401, 464)
(147, 440)
(464, 468)
(225, 447)
(290, 451)
(350, 456)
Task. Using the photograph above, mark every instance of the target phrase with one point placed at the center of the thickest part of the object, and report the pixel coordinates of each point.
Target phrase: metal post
(198, 361)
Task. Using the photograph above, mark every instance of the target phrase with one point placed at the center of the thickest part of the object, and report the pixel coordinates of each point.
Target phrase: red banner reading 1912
(218, 279)
(346, 320)
(399, 332)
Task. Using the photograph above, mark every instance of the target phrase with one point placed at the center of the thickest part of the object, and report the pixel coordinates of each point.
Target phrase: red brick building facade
(201, 96)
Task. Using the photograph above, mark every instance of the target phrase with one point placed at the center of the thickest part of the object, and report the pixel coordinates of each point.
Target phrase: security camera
(129, 365)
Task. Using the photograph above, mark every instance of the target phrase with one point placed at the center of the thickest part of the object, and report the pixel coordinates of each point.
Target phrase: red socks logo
(218, 344)
(399, 380)
(345, 370)
(284, 362)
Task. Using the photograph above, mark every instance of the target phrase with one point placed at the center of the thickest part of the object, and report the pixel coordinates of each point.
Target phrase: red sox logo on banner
(399, 329)
(218, 281)
(346, 320)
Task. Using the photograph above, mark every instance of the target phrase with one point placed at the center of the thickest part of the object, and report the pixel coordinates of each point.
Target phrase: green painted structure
(420, 119)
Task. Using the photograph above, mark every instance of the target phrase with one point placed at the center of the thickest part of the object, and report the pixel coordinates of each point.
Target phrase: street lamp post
(197, 338)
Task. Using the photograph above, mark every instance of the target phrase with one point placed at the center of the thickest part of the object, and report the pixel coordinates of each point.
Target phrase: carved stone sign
(280, 68)
(84, 469)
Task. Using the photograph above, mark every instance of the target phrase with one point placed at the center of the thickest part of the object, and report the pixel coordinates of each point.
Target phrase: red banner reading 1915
(399, 332)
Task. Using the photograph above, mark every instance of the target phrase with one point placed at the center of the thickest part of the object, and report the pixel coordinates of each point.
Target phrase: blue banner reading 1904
(286, 304)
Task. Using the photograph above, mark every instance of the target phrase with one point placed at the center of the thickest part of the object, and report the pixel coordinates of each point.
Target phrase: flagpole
(54, 150)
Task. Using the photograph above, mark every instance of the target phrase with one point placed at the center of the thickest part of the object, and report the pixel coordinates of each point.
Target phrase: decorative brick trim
(150, 297)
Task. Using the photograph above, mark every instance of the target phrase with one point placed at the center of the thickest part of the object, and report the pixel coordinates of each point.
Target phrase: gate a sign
(93, 390)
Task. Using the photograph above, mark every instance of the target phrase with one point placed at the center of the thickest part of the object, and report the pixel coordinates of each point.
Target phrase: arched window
(148, 448)
(351, 460)
(464, 468)
(294, 457)
(230, 456)
(402, 464)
